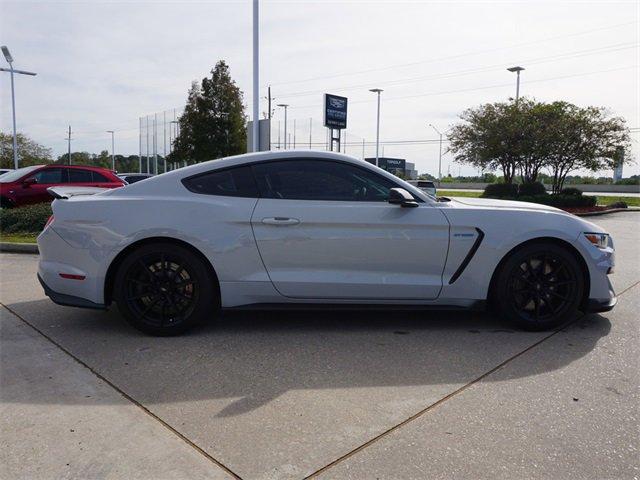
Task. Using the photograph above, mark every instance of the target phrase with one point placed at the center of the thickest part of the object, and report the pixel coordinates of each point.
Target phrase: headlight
(600, 240)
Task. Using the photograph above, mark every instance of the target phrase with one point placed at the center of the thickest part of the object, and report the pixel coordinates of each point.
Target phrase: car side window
(99, 178)
(51, 175)
(230, 182)
(320, 180)
(77, 175)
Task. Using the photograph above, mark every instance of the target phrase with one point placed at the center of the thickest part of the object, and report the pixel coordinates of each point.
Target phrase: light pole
(284, 105)
(175, 136)
(9, 60)
(378, 91)
(517, 70)
(439, 156)
(113, 158)
(256, 77)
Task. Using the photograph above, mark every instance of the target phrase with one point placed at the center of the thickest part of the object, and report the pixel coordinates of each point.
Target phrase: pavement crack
(128, 397)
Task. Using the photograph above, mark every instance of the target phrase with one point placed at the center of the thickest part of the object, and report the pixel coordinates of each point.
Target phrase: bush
(500, 190)
(618, 205)
(561, 201)
(571, 191)
(535, 188)
(28, 219)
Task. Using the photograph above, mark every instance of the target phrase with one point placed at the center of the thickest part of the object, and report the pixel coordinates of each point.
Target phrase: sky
(102, 65)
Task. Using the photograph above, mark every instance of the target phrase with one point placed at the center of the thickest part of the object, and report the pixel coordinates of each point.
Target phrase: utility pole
(11, 70)
(310, 127)
(269, 103)
(294, 133)
(113, 158)
(69, 146)
(285, 106)
(439, 156)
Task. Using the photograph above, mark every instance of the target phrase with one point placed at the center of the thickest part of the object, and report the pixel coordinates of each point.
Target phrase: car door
(324, 229)
(34, 189)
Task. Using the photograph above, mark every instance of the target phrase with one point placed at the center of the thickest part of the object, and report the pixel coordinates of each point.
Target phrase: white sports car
(308, 229)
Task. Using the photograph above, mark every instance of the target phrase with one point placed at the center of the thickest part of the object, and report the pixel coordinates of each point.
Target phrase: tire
(164, 289)
(539, 287)
(6, 203)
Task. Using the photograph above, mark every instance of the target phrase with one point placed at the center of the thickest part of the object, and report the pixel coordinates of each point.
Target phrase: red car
(29, 184)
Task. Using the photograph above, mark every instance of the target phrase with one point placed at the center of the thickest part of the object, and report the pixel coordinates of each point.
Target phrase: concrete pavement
(393, 395)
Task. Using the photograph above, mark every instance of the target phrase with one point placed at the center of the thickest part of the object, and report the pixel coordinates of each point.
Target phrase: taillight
(49, 222)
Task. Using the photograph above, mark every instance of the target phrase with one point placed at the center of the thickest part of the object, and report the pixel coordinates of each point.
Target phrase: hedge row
(28, 219)
(536, 193)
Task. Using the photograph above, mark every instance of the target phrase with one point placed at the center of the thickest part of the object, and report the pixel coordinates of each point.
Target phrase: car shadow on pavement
(248, 359)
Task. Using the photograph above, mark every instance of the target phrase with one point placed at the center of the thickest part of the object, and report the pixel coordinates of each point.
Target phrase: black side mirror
(27, 182)
(399, 196)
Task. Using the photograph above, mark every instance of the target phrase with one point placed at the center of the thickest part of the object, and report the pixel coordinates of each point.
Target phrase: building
(397, 166)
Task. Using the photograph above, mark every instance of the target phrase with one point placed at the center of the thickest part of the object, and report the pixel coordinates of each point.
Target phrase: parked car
(29, 185)
(302, 229)
(428, 187)
(134, 177)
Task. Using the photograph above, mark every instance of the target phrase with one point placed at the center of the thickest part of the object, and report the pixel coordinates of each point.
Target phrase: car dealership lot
(345, 394)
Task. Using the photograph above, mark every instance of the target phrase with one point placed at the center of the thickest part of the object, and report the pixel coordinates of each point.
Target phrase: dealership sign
(335, 111)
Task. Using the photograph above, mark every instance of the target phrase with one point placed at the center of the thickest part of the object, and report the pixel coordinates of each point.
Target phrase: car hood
(504, 204)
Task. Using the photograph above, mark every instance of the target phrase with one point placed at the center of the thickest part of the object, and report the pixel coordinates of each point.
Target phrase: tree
(29, 151)
(489, 138)
(582, 139)
(529, 136)
(213, 122)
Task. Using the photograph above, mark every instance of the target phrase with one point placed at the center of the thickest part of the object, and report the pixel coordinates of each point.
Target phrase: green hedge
(570, 191)
(500, 190)
(28, 219)
(561, 201)
(535, 188)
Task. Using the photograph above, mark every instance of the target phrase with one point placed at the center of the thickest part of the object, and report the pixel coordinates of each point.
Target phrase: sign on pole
(335, 111)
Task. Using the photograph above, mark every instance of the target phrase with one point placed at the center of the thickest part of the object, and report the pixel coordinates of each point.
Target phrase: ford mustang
(308, 229)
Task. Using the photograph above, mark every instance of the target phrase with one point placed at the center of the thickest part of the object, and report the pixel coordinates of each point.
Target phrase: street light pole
(517, 70)
(256, 77)
(439, 156)
(113, 158)
(284, 105)
(378, 91)
(11, 70)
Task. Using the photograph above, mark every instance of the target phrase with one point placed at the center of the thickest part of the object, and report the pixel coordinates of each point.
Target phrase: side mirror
(27, 182)
(399, 196)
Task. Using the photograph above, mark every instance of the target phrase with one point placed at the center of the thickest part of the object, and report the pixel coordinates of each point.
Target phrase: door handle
(280, 221)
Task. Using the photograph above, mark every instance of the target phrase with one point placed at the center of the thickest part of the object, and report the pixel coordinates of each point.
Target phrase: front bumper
(597, 305)
(69, 300)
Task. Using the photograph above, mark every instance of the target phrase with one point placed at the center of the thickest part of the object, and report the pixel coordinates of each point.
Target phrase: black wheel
(164, 289)
(5, 203)
(539, 287)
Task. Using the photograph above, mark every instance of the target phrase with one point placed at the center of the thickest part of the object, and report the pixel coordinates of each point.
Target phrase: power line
(451, 57)
(534, 61)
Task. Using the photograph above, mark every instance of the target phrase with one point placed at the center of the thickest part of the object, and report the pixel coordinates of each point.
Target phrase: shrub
(571, 191)
(28, 219)
(535, 188)
(618, 205)
(500, 190)
(561, 201)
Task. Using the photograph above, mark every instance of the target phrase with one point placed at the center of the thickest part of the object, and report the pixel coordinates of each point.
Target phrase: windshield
(17, 174)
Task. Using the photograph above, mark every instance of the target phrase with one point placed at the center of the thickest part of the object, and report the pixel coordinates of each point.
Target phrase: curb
(8, 247)
(606, 212)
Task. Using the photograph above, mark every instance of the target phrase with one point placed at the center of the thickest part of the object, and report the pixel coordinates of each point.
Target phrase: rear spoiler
(68, 192)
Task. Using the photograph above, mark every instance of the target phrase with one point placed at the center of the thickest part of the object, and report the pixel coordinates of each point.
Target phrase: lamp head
(7, 54)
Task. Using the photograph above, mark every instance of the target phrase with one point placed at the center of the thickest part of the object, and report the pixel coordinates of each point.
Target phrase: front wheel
(164, 289)
(540, 286)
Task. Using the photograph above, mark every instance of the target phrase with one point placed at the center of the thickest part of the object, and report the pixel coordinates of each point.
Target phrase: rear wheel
(164, 289)
(540, 286)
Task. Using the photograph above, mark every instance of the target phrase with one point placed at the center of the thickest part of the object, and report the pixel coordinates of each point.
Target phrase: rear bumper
(69, 300)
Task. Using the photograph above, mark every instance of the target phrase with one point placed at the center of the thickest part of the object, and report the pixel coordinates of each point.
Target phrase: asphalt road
(335, 395)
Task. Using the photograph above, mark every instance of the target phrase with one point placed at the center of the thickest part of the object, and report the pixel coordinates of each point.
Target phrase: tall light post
(285, 106)
(517, 70)
(378, 91)
(113, 158)
(9, 60)
(256, 77)
(439, 156)
(175, 136)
